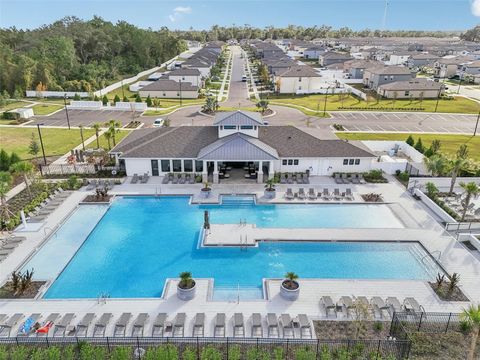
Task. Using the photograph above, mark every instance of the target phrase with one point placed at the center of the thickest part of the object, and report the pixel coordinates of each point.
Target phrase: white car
(158, 122)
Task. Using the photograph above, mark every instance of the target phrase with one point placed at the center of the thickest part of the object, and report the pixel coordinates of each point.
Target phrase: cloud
(178, 12)
(476, 7)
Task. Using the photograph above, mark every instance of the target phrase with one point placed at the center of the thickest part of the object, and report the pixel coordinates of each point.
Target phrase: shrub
(116, 99)
(410, 141)
(189, 354)
(403, 176)
(138, 99)
(419, 146)
(9, 115)
(121, 353)
(210, 353)
(105, 100)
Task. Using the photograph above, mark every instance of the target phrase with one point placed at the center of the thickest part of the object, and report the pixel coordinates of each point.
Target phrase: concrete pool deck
(423, 227)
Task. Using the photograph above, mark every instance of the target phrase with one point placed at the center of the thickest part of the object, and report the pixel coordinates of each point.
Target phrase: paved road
(238, 94)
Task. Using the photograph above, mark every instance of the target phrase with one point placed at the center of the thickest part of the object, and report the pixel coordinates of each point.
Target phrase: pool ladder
(243, 243)
(102, 298)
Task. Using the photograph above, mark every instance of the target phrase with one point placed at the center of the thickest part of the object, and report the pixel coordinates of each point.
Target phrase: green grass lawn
(14, 105)
(56, 141)
(104, 143)
(334, 102)
(45, 109)
(449, 143)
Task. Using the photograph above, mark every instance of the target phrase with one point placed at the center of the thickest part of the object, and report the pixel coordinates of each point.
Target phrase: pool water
(142, 241)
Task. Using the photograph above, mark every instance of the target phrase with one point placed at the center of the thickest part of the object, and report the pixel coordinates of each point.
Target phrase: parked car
(244, 78)
(158, 122)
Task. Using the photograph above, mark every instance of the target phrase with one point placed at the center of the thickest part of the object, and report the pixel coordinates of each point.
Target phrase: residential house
(314, 52)
(470, 68)
(298, 79)
(411, 89)
(190, 75)
(166, 88)
(376, 76)
(399, 58)
(420, 60)
(331, 57)
(356, 68)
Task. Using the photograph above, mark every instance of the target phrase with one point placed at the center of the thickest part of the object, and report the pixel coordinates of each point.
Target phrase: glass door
(155, 168)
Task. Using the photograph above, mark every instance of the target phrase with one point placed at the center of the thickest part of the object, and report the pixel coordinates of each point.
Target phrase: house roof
(390, 70)
(169, 85)
(423, 56)
(335, 55)
(239, 117)
(184, 71)
(414, 84)
(238, 146)
(361, 64)
(473, 64)
(299, 71)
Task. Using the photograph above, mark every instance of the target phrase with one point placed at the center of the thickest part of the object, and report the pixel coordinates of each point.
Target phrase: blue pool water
(141, 241)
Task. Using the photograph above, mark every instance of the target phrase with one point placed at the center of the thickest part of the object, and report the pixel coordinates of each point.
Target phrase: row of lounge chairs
(142, 178)
(102, 184)
(8, 245)
(50, 204)
(376, 307)
(60, 326)
(349, 178)
(179, 179)
(299, 179)
(325, 195)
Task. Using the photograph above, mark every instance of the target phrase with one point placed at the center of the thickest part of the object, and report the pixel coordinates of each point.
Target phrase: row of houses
(186, 77)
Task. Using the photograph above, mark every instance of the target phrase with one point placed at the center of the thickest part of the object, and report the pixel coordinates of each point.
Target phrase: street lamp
(460, 82)
(325, 103)
(180, 92)
(66, 110)
(41, 144)
(438, 97)
(476, 125)
(81, 135)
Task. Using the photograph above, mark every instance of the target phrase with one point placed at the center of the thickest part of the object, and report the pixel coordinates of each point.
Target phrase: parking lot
(86, 117)
(405, 122)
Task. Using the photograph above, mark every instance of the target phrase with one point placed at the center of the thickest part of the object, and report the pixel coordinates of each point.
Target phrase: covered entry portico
(238, 150)
(237, 171)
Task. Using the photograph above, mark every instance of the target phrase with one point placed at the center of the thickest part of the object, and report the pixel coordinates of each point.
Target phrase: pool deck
(421, 225)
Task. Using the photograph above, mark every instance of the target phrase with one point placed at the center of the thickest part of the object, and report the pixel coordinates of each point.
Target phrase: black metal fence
(77, 169)
(225, 348)
(404, 323)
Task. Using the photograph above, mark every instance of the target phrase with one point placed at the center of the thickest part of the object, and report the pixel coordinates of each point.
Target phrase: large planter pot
(186, 294)
(206, 192)
(289, 294)
(269, 194)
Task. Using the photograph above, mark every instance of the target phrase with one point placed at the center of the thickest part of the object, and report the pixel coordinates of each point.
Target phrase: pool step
(227, 293)
(425, 260)
(238, 200)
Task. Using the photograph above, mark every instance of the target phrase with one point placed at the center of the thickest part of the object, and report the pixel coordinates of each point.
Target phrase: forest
(76, 55)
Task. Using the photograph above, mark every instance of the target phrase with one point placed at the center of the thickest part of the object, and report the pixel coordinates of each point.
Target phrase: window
(386, 78)
(164, 94)
(299, 79)
(177, 165)
(295, 162)
(290, 162)
(178, 94)
(284, 162)
(350, 162)
(183, 77)
(198, 165)
(187, 165)
(154, 167)
(357, 161)
(391, 77)
(229, 127)
(345, 161)
(165, 165)
(246, 127)
(407, 93)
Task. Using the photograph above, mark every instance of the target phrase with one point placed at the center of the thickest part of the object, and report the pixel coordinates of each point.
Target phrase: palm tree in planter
(269, 192)
(472, 317)
(290, 288)
(186, 286)
(206, 190)
(472, 190)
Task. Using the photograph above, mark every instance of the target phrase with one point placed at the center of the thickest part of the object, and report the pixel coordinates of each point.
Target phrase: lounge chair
(121, 324)
(61, 326)
(47, 324)
(175, 179)
(166, 180)
(361, 179)
(272, 326)
(355, 179)
(91, 185)
(28, 325)
(283, 180)
(8, 246)
(145, 178)
(312, 195)
(379, 306)
(328, 305)
(219, 329)
(326, 194)
(305, 327)
(7, 325)
(158, 327)
(348, 194)
(84, 324)
(199, 325)
(238, 325)
(393, 305)
(2, 317)
(338, 179)
(301, 194)
(101, 325)
(287, 326)
(346, 303)
(344, 178)
(411, 305)
(289, 194)
(257, 329)
(179, 325)
(139, 324)
(337, 195)
(363, 302)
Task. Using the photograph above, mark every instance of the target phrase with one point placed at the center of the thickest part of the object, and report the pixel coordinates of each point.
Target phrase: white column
(270, 170)
(215, 172)
(204, 171)
(260, 173)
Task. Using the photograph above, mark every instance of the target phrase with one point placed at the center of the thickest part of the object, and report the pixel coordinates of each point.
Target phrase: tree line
(76, 55)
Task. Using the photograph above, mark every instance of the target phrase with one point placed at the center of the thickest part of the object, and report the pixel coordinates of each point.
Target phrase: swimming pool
(142, 241)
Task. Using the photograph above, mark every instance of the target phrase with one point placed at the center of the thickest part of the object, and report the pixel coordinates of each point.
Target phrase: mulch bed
(30, 293)
(442, 293)
(267, 112)
(339, 330)
(95, 199)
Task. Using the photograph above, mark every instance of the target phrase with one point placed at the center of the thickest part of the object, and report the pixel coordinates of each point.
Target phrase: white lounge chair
(287, 326)
(121, 324)
(199, 325)
(219, 329)
(257, 329)
(84, 324)
(158, 327)
(238, 325)
(305, 327)
(139, 324)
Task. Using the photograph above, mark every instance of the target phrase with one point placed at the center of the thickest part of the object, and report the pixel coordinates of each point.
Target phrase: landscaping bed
(445, 294)
(133, 124)
(439, 346)
(340, 330)
(6, 291)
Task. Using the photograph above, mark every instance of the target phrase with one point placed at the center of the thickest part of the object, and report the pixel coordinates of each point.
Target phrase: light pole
(123, 92)
(325, 102)
(476, 125)
(66, 110)
(180, 92)
(460, 82)
(81, 135)
(41, 144)
(438, 97)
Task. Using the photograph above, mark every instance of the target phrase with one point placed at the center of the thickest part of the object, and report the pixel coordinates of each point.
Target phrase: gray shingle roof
(414, 84)
(238, 117)
(185, 71)
(169, 85)
(299, 71)
(390, 70)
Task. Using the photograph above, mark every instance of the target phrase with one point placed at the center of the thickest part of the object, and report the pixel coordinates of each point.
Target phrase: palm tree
(5, 183)
(108, 136)
(97, 127)
(186, 281)
(458, 163)
(472, 190)
(25, 169)
(472, 317)
(291, 277)
(156, 103)
(436, 164)
(262, 105)
(113, 126)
